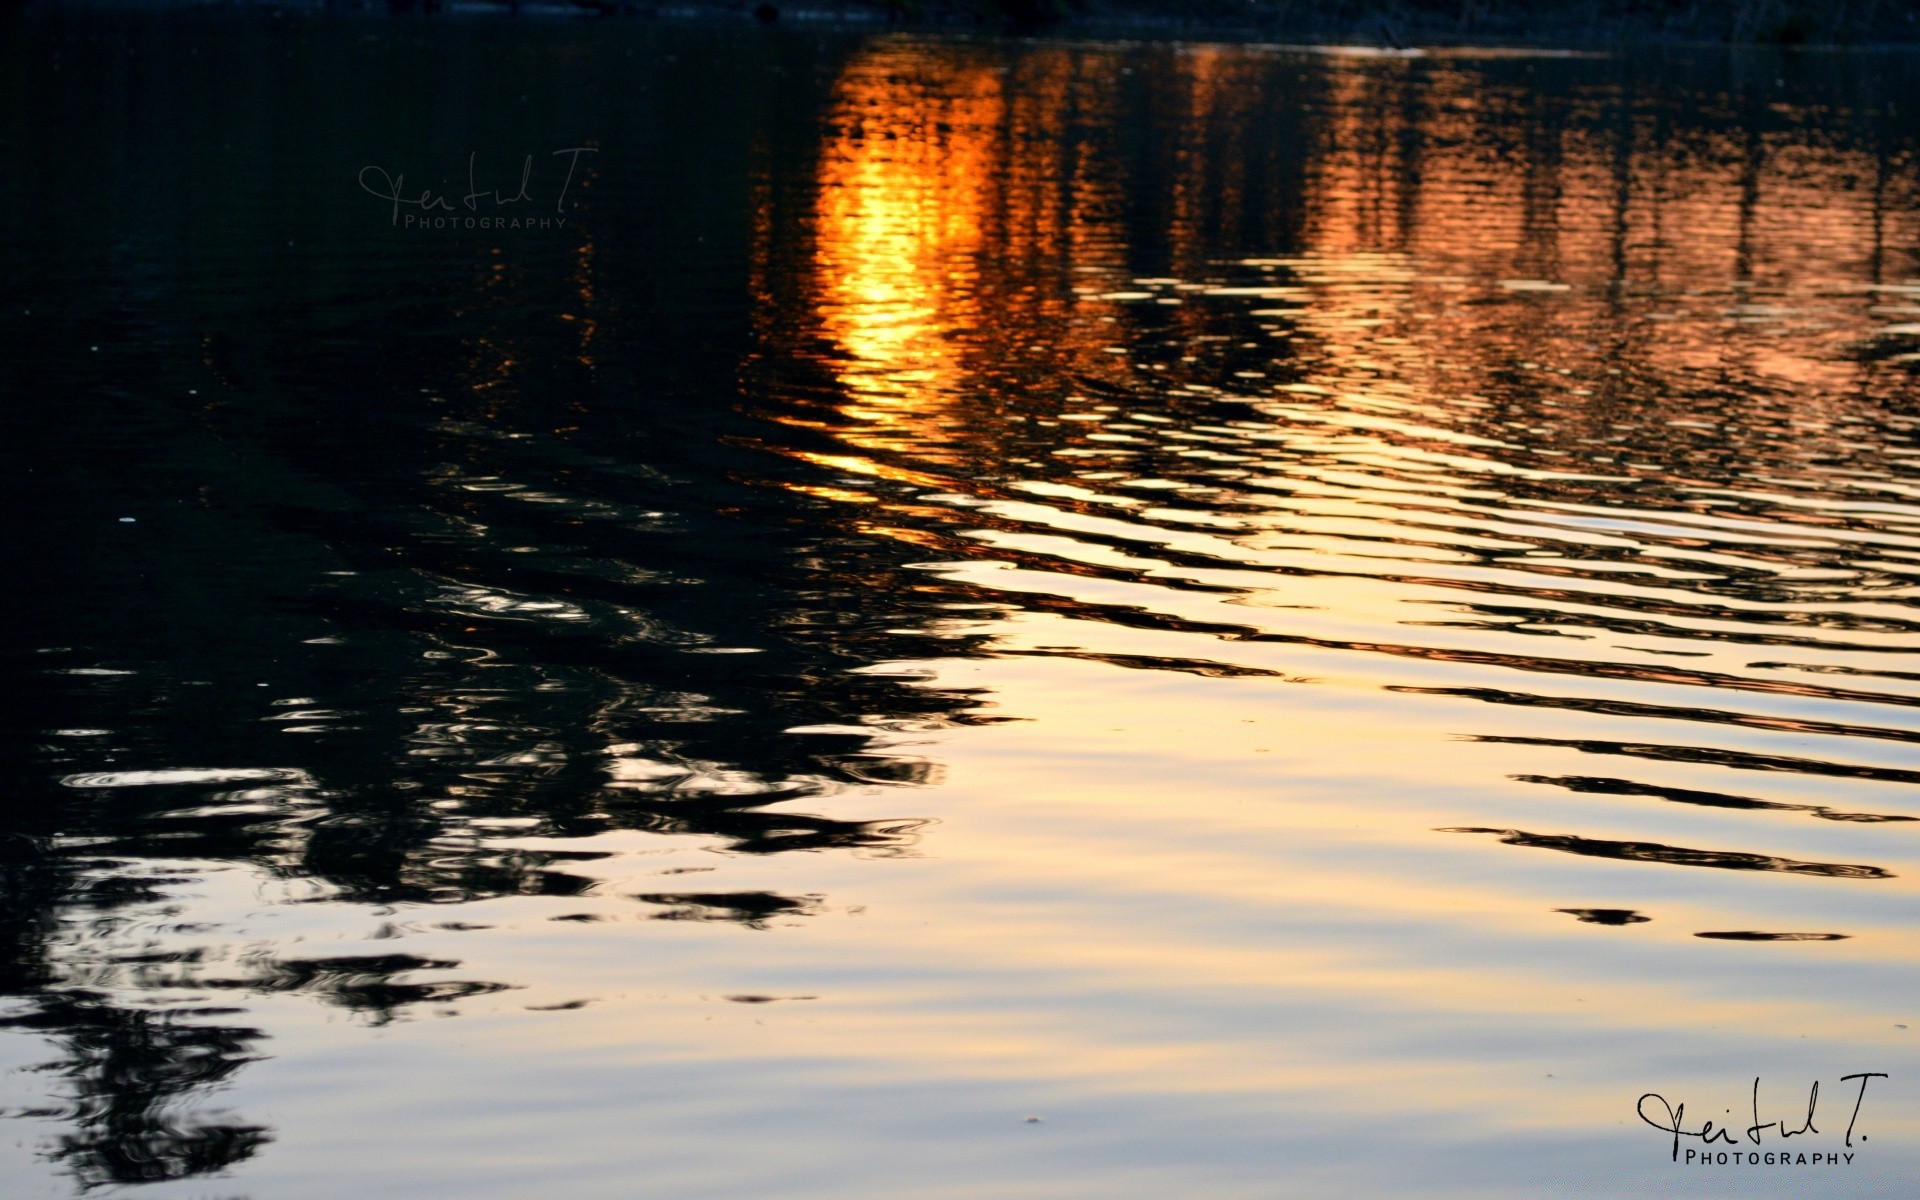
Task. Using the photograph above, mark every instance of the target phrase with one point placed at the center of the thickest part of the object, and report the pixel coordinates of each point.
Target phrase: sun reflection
(1470, 378)
(952, 205)
(904, 197)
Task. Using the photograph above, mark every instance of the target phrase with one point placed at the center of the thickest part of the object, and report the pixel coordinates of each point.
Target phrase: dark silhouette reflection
(131, 1072)
(752, 909)
(1624, 708)
(1737, 759)
(1679, 856)
(1607, 786)
(366, 984)
(1750, 935)
(1606, 916)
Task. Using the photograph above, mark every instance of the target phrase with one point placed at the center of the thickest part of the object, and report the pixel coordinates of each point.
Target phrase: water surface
(1318, 623)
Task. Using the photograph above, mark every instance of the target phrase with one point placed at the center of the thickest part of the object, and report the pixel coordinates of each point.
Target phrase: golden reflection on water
(1426, 555)
(1523, 498)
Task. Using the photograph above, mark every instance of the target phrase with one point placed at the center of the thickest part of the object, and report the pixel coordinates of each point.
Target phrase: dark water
(1319, 622)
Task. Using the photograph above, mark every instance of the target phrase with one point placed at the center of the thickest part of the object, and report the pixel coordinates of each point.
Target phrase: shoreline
(1405, 28)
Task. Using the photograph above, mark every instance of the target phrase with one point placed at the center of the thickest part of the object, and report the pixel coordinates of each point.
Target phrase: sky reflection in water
(1319, 623)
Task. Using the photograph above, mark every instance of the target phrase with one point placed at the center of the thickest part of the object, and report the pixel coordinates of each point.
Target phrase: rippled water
(1318, 623)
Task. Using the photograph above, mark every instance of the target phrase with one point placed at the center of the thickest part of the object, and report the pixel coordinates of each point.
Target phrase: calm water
(1319, 623)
